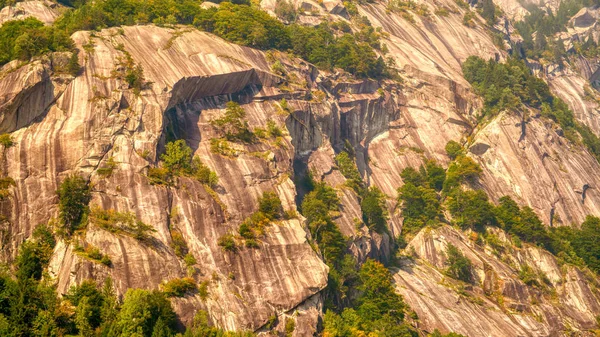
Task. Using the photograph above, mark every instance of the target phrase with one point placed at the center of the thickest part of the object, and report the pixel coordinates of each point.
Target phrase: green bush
(74, 194)
(179, 287)
(6, 140)
(121, 223)
(379, 309)
(459, 266)
(178, 243)
(177, 158)
(159, 176)
(471, 209)
(203, 173)
(227, 242)
(232, 125)
(349, 170)
(453, 149)
(270, 205)
(146, 313)
(24, 39)
(461, 170)
(374, 212)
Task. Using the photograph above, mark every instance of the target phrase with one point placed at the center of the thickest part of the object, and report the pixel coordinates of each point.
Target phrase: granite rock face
(500, 304)
(65, 125)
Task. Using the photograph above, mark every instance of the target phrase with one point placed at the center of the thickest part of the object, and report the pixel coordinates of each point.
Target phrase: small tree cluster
(74, 195)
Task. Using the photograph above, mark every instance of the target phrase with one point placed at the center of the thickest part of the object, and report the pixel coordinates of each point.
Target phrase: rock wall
(499, 304)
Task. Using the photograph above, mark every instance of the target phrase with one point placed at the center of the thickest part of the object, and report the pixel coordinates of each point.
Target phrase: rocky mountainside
(82, 123)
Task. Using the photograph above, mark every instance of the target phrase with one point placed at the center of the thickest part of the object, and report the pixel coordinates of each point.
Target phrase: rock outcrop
(65, 125)
(45, 11)
(499, 304)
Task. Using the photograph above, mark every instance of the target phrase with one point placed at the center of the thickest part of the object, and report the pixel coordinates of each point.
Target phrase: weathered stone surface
(45, 11)
(498, 303)
(539, 168)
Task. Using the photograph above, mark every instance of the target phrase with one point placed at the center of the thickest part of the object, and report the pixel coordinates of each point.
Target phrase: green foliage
(142, 312)
(523, 223)
(270, 205)
(290, 326)
(93, 253)
(177, 157)
(245, 25)
(379, 309)
(203, 173)
(269, 209)
(35, 254)
(74, 194)
(73, 66)
(227, 242)
(178, 161)
(373, 209)
(319, 45)
(286, 11)
(585, 242)
(546, 25)
(88, 301)
(121, 223)
(178, 243)
(179, 287)
(488, 12)
(349, 170)
(418, 197)
(461, 170)
(471, 209)
(459, 266)
(420, 207)
(529, 276)
(6, 140)
(108, 169)
(233, 126)
(453, 149)
(24, 39)
(159, 176)
(511, 84)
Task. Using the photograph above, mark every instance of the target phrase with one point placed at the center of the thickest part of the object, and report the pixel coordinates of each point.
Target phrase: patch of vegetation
(93, 253)
(121, 223)
(24, 39)
(373, 209)
(349, 170)
(377, 310)
(227, 242)
(437, 333)
(232, 124)
(545, 25)
(459, 266)
(269, 209)
(179, 287)
(453, 149)
(107, 170)
(286, 11)
(177, 161)
(508, 86)
(6, 140)
(419, 200)
(178, 244)
(470, 209)
(401, 6)
(74, 195)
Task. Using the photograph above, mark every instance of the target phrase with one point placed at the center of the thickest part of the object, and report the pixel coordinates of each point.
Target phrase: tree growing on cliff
(74, 195)
(459, 266)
